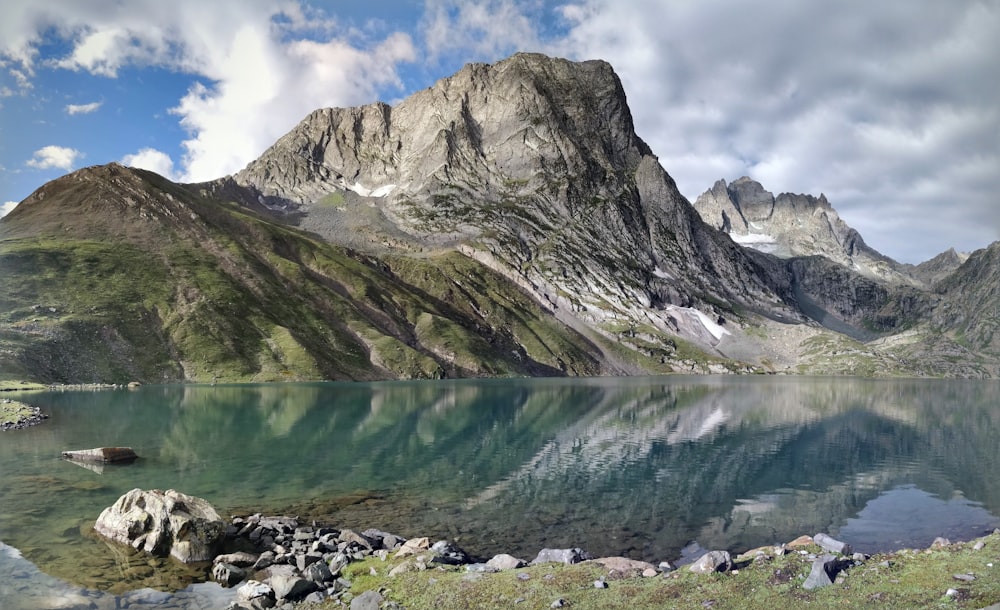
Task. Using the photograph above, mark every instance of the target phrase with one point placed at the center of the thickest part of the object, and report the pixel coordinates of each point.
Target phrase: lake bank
(383, 568)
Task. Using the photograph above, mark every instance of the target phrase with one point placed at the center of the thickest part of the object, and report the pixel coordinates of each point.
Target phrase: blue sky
(889, 108)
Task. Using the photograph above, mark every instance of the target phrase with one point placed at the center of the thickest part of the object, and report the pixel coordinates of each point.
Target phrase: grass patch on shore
(901, 579)
(17, 386)
(14, 412)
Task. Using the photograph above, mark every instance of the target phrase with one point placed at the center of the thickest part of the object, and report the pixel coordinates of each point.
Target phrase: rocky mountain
(505, 221)
(794, 225)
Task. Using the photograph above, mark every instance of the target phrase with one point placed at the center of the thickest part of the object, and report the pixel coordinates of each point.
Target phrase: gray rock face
(530, 166)
(164, 523)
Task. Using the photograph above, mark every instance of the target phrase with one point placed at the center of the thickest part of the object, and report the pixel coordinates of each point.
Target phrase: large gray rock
(164, 523)
(823, 572)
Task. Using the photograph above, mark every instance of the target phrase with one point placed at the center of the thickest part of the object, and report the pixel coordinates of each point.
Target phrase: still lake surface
(639, 467)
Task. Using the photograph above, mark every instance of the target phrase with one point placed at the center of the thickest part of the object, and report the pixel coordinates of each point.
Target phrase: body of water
(639, 467)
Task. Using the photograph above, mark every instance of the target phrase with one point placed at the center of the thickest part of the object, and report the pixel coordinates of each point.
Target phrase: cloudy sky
(890, 108)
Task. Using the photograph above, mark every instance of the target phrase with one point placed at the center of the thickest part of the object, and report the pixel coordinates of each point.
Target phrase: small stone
(559, 603)
(481, 568)
(822, 574)
(523, 576)
(649, 573)
(413, 546)
(291, 588)
(352, 537)
(504, 561)
(859, 557)
(979, 546)
(800, 542)
(369, 600)
(600, 584)
(316, 597)
(964, 577)
(318, 572)
(227, 575)
(338, 562)
(830, 544)
(940, 542)
(712, 561)
(253, 589)
(567, 556)
(622, 567)
(448, 553)
(951, 592)
(665, 567)
(242, 560)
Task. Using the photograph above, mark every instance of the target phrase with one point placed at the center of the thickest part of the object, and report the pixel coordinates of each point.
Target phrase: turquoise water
(636, 466)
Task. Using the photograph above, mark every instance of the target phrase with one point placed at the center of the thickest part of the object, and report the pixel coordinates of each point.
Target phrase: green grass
(13, 412)
(910, 579)
(11, 385)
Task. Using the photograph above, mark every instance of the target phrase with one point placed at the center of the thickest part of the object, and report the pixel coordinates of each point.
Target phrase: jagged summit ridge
(793, 225)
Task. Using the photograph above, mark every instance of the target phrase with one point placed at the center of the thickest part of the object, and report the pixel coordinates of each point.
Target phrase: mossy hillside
(224, 294)
(505, 316)
(85, 308)
(902, 579)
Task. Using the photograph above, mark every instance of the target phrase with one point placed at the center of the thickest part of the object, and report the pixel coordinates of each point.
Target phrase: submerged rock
(104, 455)
(164, 523)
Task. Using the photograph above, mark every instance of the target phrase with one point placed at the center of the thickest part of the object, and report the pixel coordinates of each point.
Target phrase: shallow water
(635, 466)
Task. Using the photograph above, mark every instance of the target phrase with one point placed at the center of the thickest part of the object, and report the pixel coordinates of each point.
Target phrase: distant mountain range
(505, 221)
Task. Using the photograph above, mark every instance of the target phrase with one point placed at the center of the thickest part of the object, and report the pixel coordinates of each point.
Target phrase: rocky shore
(16, 415)
(288, 564)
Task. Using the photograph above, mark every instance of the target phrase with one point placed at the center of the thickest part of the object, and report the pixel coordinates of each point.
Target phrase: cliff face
(532, 167)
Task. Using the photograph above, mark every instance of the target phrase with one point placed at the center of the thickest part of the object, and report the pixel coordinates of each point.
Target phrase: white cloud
(7, 208)
(72, 109)
(153, 160)
(54, 157)
(866, 102)
(260, 74)
(484, 29)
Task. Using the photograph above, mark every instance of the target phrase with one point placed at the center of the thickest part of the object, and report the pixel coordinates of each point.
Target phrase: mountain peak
(530, 165)
(792, 225)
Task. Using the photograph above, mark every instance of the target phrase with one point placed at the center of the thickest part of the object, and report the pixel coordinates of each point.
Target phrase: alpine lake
(648, 468)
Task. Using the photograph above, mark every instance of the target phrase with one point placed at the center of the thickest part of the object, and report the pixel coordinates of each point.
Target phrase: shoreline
(333, 567)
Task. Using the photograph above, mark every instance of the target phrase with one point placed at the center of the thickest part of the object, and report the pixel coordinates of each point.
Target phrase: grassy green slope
(179, 286)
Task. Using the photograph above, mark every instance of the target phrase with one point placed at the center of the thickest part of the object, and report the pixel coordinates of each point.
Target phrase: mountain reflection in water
(635, 466)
